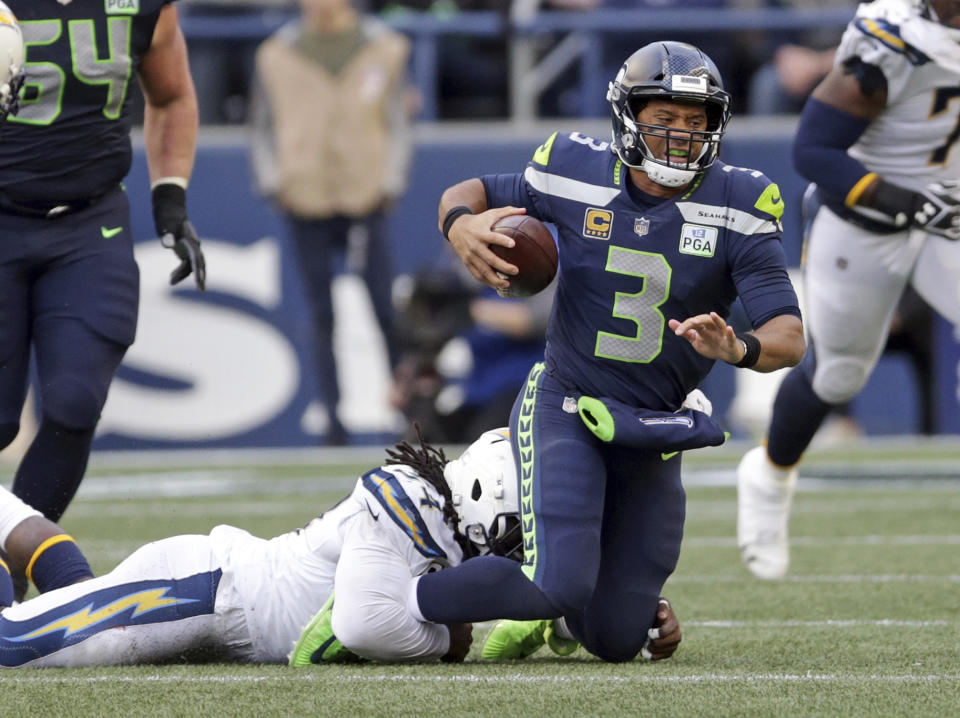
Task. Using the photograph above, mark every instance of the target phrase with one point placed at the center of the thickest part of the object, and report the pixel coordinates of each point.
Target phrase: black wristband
(169, 208)
(451, 216)
(752, 354)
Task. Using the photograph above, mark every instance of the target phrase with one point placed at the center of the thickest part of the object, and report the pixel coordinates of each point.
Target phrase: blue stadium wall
(231, 367)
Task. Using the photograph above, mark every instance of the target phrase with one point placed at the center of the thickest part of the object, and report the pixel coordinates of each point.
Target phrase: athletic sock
(481, 589)
(56, 563)
(797, 414)
(51, 471)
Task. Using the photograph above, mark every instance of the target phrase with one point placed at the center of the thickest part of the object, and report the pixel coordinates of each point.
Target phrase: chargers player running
(233, 596)
(657, 238)
(877, 139)
(69, 285)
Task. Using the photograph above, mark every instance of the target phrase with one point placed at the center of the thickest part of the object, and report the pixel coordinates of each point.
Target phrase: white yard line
(818, 542)
(821, 578)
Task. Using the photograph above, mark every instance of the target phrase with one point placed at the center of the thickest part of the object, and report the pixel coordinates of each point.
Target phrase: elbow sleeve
(820, 149)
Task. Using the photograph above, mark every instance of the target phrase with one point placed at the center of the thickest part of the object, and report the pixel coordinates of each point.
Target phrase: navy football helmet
(677, 72)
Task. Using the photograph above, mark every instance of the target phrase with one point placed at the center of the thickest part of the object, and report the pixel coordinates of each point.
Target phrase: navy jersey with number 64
(70, 139)
(629, 262)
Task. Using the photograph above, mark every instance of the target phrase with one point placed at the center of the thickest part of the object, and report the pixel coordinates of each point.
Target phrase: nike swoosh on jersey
(108, 232)
(376, 517)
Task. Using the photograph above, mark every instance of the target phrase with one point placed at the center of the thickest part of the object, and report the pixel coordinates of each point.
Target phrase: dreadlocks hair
(428, 461)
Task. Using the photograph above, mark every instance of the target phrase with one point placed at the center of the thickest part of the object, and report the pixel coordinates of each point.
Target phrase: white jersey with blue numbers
(911, 143)
(629, 262)
(391, 516)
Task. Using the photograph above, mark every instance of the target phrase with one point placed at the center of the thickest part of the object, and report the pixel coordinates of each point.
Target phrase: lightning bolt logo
(141, 602)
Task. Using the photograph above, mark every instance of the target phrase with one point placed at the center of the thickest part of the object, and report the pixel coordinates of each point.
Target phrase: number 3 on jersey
(42, 96)
(641, 307)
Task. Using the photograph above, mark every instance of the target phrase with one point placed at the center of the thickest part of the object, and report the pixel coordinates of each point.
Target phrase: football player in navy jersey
(877, 140)
(69, 286)
(657, 238)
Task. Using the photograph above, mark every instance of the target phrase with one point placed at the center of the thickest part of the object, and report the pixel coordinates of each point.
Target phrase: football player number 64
(42, 97)
(641, 308)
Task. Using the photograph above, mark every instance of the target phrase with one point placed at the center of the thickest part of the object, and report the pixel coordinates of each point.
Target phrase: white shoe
(764, 493)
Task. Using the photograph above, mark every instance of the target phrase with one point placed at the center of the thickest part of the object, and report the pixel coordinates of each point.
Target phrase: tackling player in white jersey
(233, 596)
(877, 140)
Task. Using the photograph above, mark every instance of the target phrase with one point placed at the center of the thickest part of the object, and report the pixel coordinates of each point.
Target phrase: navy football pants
(602, 532)
(69, 289)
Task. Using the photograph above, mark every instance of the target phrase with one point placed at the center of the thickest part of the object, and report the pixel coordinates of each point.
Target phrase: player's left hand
(461, 637)
(938, 210)
(710, 335)
(664, 636)
(177, 233)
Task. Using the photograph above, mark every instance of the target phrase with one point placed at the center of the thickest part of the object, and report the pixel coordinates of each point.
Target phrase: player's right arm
(370, 615)
(465, 220)
(852, 95)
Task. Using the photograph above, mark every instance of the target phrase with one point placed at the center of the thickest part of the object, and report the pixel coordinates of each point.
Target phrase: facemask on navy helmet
(674, 72)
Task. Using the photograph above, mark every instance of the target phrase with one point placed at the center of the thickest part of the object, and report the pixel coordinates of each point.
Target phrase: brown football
(534, 254)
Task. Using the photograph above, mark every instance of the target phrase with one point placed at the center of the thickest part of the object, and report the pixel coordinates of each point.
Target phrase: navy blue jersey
(71, 137)
(629, 262)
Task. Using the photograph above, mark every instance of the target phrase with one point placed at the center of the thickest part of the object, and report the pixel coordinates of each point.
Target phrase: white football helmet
(483, 482)
(11, 62)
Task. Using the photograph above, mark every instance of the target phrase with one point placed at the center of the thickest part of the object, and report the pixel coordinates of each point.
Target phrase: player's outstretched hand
(938, 212)
(664, 636)
(177, 233)
(710, 335)
(461, 637)
(471, 238)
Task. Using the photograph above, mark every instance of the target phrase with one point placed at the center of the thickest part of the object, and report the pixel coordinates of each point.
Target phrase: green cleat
(317, 644)
(511, 640)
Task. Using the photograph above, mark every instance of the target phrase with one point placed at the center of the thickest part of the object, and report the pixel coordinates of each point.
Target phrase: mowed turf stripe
(323, 676)
(829, 623)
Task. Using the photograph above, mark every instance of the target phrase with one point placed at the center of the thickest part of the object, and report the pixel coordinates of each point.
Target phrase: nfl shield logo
(641, 226)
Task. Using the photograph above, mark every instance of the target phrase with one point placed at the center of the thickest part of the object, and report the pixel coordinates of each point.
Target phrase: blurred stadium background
(236, 371)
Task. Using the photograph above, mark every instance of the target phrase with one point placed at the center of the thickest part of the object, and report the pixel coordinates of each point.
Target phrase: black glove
(935, 210)
(939, 212)
(10, 101)
(176, 233)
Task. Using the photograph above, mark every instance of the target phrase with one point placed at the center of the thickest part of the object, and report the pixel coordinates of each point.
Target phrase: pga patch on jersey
(698, 240)
(597, 223)
(121, 7)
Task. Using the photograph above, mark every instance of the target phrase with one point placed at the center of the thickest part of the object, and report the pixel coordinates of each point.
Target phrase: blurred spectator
(471, 70)
(618, 45)
(332, 146)
(222, 66)
(793, 62)
(503, 338)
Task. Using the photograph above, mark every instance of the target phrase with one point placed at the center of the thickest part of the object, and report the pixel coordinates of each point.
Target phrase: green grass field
(868, 623)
